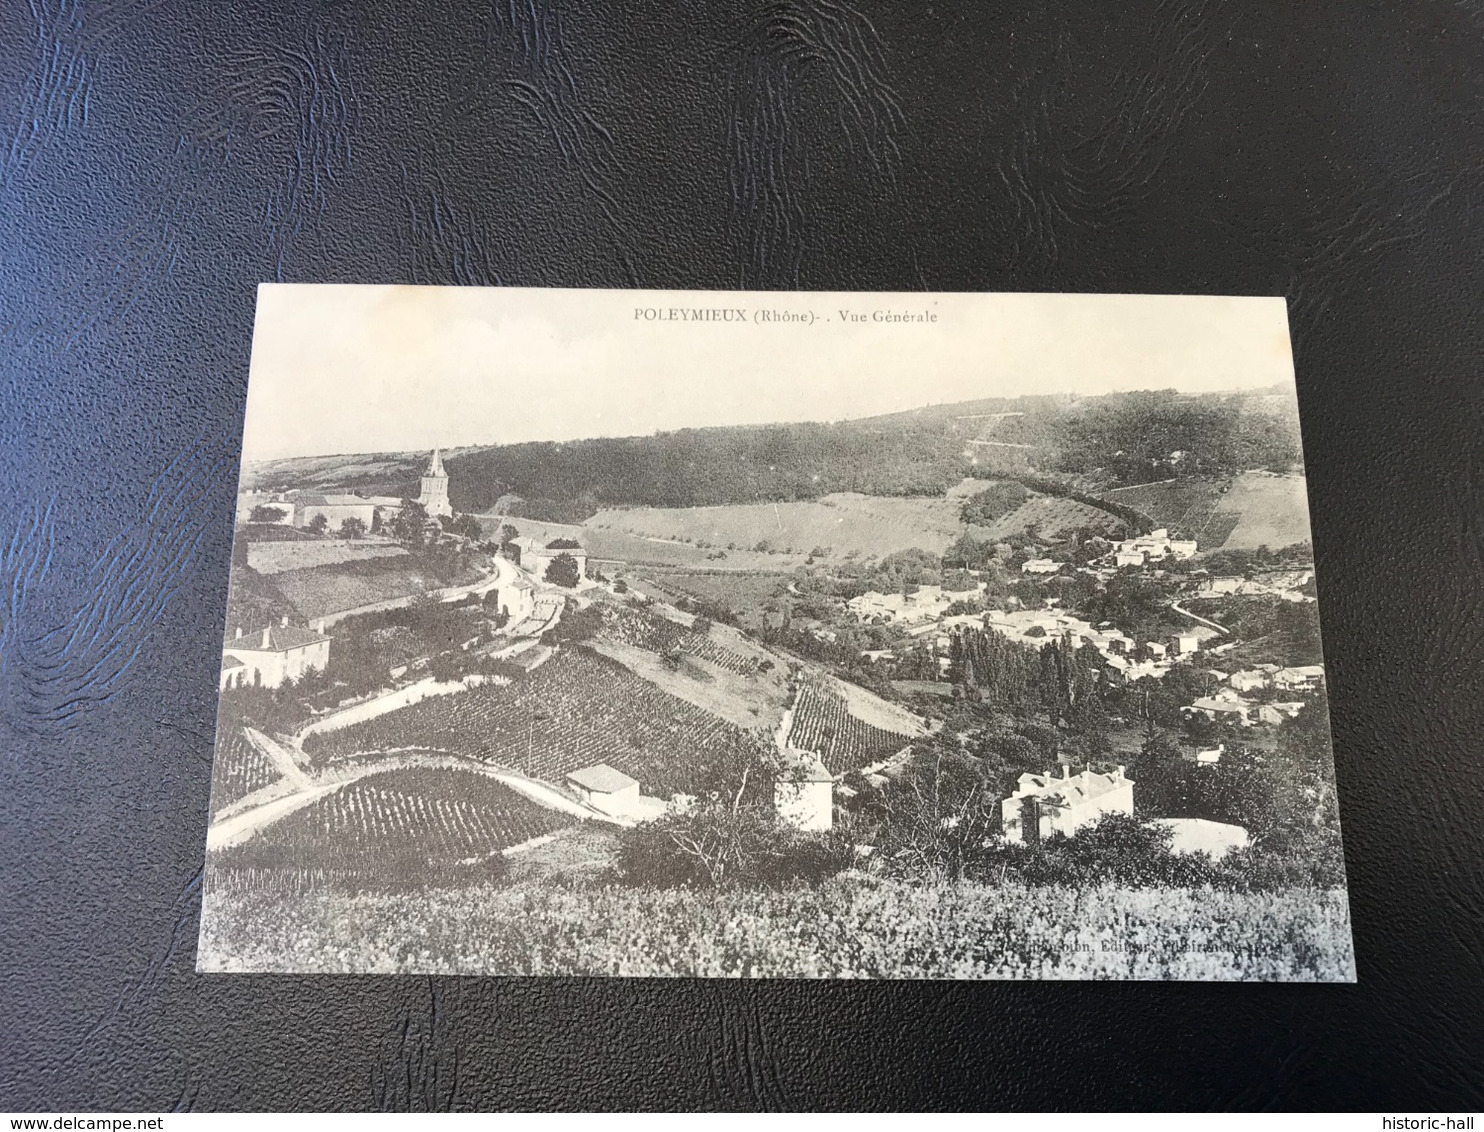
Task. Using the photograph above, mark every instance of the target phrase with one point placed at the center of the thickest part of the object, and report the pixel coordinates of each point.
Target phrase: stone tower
(434, 495)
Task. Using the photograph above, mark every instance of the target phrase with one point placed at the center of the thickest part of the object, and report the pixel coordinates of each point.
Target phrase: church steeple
(434, 495)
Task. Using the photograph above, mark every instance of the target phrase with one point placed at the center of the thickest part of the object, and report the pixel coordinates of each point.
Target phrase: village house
(1226, 707)
(1044, 804)
(273, 655)
(536, 557)
(926, 603)
(1302, 678)
(1249, 680)
(804, 792)
(1157, 544)
(1040, 566)
(1184, 644)
(1276, 713)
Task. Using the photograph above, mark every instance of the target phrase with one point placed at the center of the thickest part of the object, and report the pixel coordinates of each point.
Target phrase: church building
(434, 496)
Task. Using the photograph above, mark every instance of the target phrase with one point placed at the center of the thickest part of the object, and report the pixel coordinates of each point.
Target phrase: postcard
(773, 634)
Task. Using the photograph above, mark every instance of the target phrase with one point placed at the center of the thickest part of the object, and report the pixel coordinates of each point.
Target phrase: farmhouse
(803, 793)
(335, 509)
(280, 652)
(536, 557)
(1044, 804)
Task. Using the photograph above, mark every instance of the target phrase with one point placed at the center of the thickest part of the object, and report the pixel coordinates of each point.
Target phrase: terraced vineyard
(238, 769)
(577, 709)
(661, 635)
(398, 822)
(823, 724)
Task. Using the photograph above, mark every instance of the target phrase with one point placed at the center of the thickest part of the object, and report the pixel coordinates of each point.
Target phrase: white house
(1198, 835)
(1294, 679)
(804, 792)
(1184, 644)
(268, 658)
(1249, 680)
(1227, 707)
(1039, 566)
(534, 556)
(1044, 804)
(614, 793)
(1156, 544)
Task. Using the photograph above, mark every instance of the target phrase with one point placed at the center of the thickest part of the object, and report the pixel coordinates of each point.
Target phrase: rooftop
(1073, 789)
(279, 638)
(602, 779)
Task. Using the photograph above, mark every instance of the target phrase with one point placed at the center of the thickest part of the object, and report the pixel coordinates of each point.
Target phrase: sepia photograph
(773, 634)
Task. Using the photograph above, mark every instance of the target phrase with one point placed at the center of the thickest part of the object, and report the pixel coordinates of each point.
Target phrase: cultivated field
(1272, 511)
(1185, 506)
(824, 724)
(396, 819)
(577, 709)
(852, 926)
(845, 523)
(276, 557)
(238, 768)
(1051, 517)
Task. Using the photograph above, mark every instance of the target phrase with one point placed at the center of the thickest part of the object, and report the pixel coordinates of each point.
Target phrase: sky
(349, 369)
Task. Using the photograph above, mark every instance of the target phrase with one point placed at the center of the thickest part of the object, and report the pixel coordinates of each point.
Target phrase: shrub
(723, 845)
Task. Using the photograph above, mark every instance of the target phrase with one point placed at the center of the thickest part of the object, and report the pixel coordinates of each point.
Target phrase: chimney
(267, 629)
(319, 626)
(1120, 772)
(239, 632)
(283, 622)
(1066, 771)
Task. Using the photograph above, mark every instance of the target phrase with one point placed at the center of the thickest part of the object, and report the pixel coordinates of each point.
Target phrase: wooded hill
(1112, 440)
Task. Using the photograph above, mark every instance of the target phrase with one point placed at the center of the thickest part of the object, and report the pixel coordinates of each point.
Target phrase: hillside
(1124, 438)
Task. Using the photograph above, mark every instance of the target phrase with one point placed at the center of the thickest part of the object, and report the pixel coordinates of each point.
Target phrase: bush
(719, 845)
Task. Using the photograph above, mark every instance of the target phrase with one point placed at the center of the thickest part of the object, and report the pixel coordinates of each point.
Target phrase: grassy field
(322, 590)
(852, 926)
(863, 524)
(735, 591)
(1273, 511)
(276, 557)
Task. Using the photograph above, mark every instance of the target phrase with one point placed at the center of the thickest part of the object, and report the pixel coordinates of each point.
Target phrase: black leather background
(158, 158)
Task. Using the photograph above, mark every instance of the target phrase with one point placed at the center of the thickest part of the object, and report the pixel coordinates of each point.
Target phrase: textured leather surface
(158, 158)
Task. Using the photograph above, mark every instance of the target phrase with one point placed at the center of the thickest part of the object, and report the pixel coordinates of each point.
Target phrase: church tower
(434, 495)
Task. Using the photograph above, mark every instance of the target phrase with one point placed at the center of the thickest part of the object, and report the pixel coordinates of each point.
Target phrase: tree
(466, 526)
(262, 513)
(319, 524)
(701, 625)
(563, 571)
(352, 528)
(508, 533)
(408, 526)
